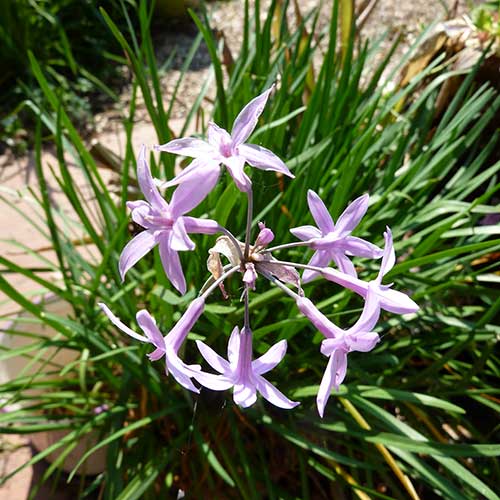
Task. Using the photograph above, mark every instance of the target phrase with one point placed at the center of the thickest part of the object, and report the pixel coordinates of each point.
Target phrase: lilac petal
(370, 314)
(218, 138)
(233, 347)
(346, 280)
(156, 354)
(264, 237)
(319, 259)
(344, 264)
(270, 359)
(318, 319)
(148, 326)
(306, 233)
(235, 166)
(172, 264)
(262, 158)
(361, 248)
(389, 257)
(200, 226)
(319, 212)
(396, 302)
(147, 184)
(325, 387)
(134, 250)
(362, 342)
(141, 210)
(118, 323)
(351, 216)
(187, 146)
(287, 274)
(273, 395)
(245, 394)
(193, 191)
(330, 345)
(180, 331)
(248, 117)
(250, 275)
(195, 171)
(180, 371)
(179, 239)
(217, 362)
(213, 382)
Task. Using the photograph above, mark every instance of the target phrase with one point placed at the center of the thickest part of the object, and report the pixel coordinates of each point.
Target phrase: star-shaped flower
(334, 241)
(243, 374)
(165, 223)
(227, 149)
(389, 299)
(169, 345)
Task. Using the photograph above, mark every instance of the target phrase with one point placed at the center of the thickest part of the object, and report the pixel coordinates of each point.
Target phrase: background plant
(416, 418)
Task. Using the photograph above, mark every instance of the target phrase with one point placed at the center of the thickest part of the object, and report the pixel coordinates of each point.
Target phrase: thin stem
(234, 241)
(279, 284)
(249, 223)
(219, 280)
(286, 245)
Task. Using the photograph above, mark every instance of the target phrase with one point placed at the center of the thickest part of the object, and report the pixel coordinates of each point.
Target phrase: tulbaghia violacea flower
(389, 299)
(243, 374)
(165, 223)
(227, 149)
(359, 337)
(334, 241)
(169, 345)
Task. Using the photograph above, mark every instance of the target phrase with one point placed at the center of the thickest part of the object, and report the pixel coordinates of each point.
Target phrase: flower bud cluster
(167, 226)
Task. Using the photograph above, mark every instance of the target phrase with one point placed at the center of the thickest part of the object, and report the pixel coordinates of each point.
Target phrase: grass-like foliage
(416, 418)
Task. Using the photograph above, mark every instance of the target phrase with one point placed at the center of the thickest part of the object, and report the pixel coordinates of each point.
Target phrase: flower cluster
(167, 225)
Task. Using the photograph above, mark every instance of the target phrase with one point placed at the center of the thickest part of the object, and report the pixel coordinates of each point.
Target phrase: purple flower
(357, 338)
(165, 224)
(389, 300)
(243, 374)
(169, 345)
(227, 149)
(333, 241)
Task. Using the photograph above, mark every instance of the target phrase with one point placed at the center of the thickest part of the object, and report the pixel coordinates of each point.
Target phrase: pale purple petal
(344, 263)
(245, 394)
(148, 326)
(287, 274)
(118, 323)
(214, 382)
(325, 388)
(317, 318)
(217, 362)
(218, 138)
(179, 239)
(187, 146)
(396, 302)
(270, 359)
(330, 345)
(193, 191)
(345, 280)
(273, 395)
(351, 216)
(235, 166)
(362, 342)
(319, 259)
(200, 226)
(134, 250)
(248, 117)
(262, 158)
(195, 171)
(147, 184)
(172, 264)
(264, 237)
(180, 331)
(370, 314)
(233, 347)
(389, 257)
(306, 233)
(180, 371)
(250, 275)
(141, 210)
(361, 248)
(319, 212)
